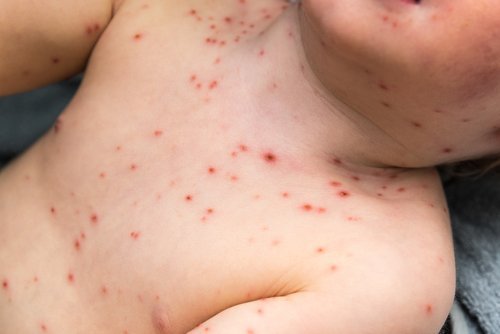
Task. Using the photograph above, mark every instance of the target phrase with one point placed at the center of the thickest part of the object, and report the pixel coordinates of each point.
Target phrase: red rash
(94, 219)
(71, 278)
(270, 158)
(343, 194)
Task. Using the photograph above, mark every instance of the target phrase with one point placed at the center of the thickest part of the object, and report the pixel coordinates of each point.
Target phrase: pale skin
(242, 166)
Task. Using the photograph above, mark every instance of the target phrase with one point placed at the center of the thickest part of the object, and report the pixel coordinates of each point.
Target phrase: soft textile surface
(475, 212)
(475, 205)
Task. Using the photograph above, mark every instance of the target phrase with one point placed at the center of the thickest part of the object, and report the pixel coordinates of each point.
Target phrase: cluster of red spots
(138, 36)
(158, 133)
(135, 235)
(58, 125)
(91, 29)
(213, 84)
(270, 158)
(310, 208)
(208, 212)
(70, 278)
(94, 219)
(392, 22)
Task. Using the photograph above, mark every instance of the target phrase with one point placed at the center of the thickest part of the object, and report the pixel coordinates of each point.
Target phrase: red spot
(335, 184)
(212, 170)
(333, 267)
(35, 279)
(386, 104)
(383, 86)
(58, 125)
(217, 61)
(77, 244)
(135, 235)
(285, 195)
(55, 60)
(250, 331)
(193, 78)
(43, 327)
(104, 290)
(188, 198)
(320, 250)
(71, 278)
(243, 148)
(94, 219)
(213, 84)
(158, 133)
(337, 161)
(53, 211)
(138, 37)
(417, 124)
(447, 150)
(210, 211)
(307, 207)
(262, 53)
(321, 210)
(343, 194)
(118, 148)
(270, 158)
(401, 190)
(213, 27)
(355, 178)
(228, 20)
(5, 284)
(133, 167)
(353, 219)
(428, 309)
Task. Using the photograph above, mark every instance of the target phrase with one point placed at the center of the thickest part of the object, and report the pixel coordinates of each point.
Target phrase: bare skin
(206, 179)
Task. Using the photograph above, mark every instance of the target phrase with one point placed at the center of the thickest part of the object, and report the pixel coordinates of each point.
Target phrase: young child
(242, 166)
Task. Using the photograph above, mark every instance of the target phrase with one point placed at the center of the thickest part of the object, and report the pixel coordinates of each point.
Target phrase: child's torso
(150, 202)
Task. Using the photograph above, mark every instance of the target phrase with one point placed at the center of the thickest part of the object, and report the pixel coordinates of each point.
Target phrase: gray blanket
(474, 204)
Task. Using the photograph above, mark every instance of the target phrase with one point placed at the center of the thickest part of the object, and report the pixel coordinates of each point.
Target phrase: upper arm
(315, 313)
(46, 41)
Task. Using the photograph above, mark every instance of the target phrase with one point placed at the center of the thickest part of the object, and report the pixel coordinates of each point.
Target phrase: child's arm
(42, 42)
(316, 313)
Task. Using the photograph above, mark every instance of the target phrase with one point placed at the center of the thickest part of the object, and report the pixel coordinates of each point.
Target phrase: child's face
(432, 53)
